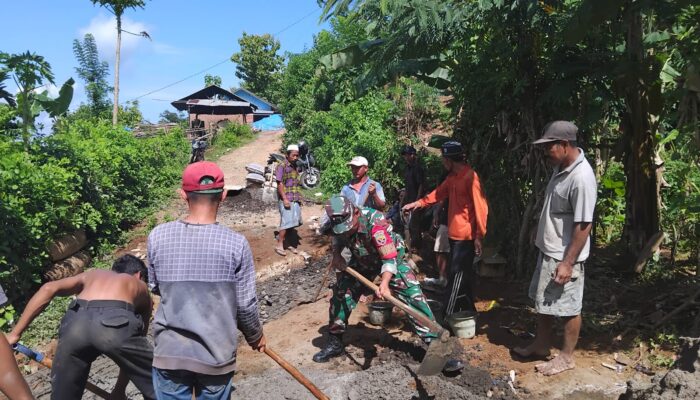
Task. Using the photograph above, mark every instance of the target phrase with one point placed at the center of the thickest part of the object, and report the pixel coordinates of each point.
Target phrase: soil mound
(682, 382)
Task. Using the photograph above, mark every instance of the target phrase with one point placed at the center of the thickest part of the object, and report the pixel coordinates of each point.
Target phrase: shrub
(361, 127)
(87, 175)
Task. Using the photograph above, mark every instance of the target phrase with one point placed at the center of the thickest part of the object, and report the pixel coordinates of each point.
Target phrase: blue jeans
(179, 385)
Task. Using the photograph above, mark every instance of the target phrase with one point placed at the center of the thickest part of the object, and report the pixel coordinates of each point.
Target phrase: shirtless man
(12, 384)
(109, 316)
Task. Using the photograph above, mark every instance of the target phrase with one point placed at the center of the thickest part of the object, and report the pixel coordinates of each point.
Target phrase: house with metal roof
(264, 107)
(214, 106)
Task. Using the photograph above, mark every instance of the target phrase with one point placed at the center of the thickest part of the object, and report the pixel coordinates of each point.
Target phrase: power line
(223, 61)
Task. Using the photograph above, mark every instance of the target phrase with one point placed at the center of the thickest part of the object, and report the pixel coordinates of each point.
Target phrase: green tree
(168, 116)
(212, 80)
(117, 8)
(92, 71)
(258, 64)
(30, 73)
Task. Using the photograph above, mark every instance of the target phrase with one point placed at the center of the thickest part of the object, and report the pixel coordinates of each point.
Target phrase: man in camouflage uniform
(375, 248)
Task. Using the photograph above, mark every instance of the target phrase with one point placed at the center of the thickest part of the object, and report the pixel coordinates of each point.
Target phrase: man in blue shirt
(362, 190)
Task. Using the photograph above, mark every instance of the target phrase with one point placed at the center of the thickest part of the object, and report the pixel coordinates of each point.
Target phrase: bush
(361, 127)
(87, 175)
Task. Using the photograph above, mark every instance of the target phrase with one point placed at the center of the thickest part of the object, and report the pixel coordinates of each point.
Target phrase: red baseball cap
(203, 177)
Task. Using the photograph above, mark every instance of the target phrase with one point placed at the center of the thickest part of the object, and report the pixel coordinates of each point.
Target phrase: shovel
(439, 350)
(47, 362)
(296, 374)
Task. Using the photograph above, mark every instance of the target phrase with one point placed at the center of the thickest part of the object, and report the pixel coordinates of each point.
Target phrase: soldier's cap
(558, 130)
(340, 211)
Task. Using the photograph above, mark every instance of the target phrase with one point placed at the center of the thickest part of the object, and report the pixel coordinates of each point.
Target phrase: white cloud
(104, 29)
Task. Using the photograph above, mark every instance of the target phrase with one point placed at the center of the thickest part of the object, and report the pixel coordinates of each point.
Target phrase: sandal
(280, 251)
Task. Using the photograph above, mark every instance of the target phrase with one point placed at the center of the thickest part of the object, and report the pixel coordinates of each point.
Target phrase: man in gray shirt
(563, 238)
(205, 275)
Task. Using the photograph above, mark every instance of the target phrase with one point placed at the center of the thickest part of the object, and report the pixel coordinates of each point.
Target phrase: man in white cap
(563, 239)
(362, 190)
(289, 192)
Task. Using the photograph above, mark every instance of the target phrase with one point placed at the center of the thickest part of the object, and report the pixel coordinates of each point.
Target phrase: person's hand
(366, 298)
(259, 345)
(562, 275)
(477, 247)
(287, 204)
(436, 223)
(382, 290)
(372, 189)
(410, 207)
(12, 337)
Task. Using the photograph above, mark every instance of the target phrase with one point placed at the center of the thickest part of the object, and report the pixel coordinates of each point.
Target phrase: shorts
(442, 240)
(290, 217)
(552, 298)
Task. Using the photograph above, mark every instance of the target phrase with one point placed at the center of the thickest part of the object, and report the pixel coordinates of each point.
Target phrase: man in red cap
(205, 275)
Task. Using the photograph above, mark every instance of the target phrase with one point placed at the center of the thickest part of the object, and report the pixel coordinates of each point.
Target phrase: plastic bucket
(436, 308)
(380, 312)
(463, 324)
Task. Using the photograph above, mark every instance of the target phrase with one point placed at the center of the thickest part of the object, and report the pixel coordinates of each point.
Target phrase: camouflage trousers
(403, 285)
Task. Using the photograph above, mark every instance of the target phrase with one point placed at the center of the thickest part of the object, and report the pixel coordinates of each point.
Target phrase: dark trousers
(90, 329)
(459, 295)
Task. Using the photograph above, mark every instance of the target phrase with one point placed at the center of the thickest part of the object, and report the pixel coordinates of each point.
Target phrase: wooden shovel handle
(434, 326)
(296, 374)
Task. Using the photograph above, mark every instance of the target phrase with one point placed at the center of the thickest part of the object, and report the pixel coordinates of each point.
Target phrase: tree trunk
(115, 110)
(642, 211)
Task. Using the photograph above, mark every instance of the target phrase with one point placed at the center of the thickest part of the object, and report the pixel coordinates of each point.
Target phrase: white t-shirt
(570, 197)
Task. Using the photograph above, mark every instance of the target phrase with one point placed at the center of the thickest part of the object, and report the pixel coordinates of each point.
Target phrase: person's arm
(440, 193)
(12, 384)
(582, 197)
(420, 176)
(481, 209)
(152, 277)
(247, 301)
(42, 298)
(579, 236)
(377, 193)
(436, 213)
(279, 174)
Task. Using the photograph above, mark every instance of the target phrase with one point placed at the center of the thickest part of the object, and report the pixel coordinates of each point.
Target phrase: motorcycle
(310, 176)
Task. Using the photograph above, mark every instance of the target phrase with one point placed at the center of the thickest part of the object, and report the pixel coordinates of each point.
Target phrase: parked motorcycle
(310, 176)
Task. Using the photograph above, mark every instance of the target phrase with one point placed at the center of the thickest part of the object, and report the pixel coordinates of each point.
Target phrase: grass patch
(229, 138)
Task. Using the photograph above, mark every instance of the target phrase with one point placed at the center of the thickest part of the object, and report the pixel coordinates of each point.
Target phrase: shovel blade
(436, 357)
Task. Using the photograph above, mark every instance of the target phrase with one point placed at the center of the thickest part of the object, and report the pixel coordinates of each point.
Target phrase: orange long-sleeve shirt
(468, 209)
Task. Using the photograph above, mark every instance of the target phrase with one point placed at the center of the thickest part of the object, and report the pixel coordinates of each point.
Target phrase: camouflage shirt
(374, 245)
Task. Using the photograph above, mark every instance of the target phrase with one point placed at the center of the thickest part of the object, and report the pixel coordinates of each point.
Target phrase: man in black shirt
(414, 182)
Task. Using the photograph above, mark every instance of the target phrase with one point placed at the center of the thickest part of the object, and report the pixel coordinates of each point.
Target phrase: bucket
(379, 312)
(436, 308)
(463, 324)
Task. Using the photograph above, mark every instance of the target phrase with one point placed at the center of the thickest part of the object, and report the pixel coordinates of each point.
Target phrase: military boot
(334, 347)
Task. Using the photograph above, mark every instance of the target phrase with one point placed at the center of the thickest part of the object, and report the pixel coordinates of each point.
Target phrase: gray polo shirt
(570, 198)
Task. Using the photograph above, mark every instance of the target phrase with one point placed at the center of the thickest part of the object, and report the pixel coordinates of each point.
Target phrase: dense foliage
(86, 175)
(625, 71)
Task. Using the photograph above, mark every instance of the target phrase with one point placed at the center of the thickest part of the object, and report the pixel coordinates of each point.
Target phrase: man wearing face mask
(563, 238)
(289, 192)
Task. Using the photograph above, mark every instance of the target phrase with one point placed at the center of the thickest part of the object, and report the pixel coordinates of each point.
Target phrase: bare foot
(532, 351)
(558, 365)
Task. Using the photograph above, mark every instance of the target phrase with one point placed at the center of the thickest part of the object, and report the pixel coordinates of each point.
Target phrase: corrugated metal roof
(217, 103)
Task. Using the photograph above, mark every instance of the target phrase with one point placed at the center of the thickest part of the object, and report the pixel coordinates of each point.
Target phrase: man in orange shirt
(466, 224)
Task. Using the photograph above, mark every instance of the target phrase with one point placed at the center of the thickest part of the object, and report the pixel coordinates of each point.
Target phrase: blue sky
(187, 38)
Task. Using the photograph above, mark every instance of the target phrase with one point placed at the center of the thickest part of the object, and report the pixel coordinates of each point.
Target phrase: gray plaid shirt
(206, 277)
